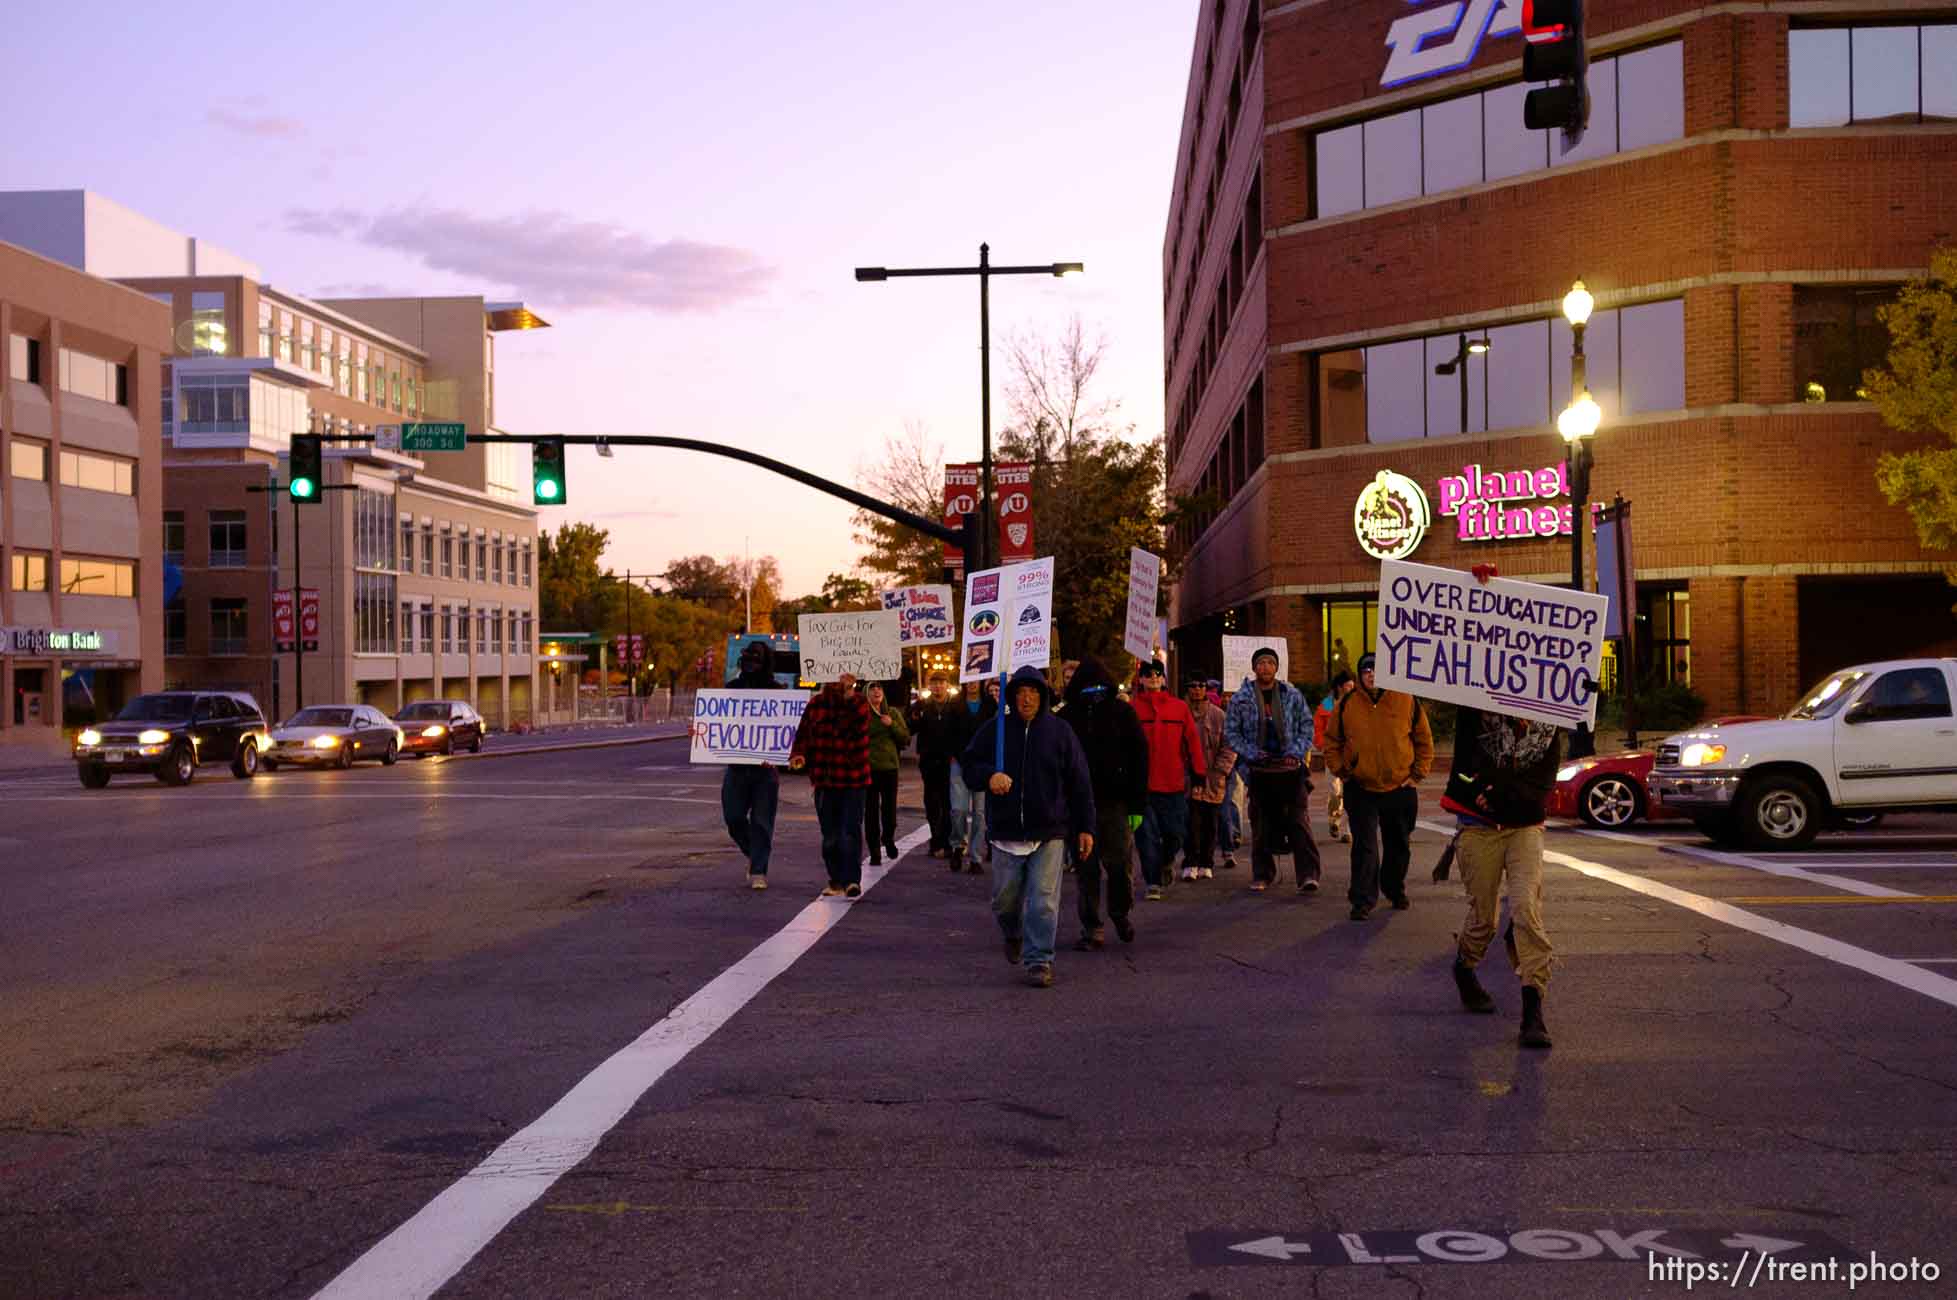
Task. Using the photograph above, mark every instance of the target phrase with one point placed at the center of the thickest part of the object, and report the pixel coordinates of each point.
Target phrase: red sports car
(1611, 791)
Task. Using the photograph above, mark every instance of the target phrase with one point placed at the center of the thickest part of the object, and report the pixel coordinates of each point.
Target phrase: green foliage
(840, 591)
(1660, 706)
(570, 583)
(1917, 393)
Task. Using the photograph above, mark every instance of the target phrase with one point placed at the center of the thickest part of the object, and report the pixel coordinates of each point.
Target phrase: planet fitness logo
(1391, 517)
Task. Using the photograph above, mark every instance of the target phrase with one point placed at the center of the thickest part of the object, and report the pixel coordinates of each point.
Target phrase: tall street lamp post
(988, 522)
(1458, 364)
(1578, 424)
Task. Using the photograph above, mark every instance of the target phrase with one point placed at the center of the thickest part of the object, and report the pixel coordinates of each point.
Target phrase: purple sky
(682, 195)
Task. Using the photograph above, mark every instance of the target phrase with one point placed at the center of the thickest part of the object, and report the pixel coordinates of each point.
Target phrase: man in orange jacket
(1175, 756)
(1379, 744)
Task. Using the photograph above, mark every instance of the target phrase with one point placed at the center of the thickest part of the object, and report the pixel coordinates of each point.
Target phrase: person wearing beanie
(1378, 743)
(1206, 792)
(1117, 762)
(890, 735)
(750, 793)
(1175, 756)
(1268, 727)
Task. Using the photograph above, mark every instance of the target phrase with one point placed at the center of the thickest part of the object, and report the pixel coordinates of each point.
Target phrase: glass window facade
(1839, 76)
(94, 377)
(29, 571)
(230, 626)
(79, 469)
(84, 577)
(1837, 336)
(1349, 627)
(373, 613)
(373, 530)
(173, 535)
(228, 539)
(30, 460)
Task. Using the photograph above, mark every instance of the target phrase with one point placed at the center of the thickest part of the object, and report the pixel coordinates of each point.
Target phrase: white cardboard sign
(924, 614)
(745, 727)
(864, 644)
(1008, 620)
(1237, 651)
(1518, 648)
(1144, 585)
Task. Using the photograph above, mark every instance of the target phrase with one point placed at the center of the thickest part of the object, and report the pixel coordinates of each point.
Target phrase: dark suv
(171, 733)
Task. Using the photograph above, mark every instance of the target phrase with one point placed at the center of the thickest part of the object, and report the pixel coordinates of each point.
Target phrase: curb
(571, 745)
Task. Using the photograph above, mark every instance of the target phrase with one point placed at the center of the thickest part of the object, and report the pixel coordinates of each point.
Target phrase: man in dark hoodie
(750, 793)
(1040, 796)
(1116, 749)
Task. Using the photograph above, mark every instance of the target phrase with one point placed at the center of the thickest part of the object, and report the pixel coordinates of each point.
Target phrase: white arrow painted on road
(1273, 1248)
(1765, 1245)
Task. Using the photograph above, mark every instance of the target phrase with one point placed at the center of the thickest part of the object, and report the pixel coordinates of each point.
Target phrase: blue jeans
(967, 815)
(1026, 899)
(1231, 829)
(748, 798)
(1165, 820)
(840, 814)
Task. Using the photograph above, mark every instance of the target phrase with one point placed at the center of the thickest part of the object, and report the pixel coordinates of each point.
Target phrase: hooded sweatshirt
(1110, 736)
(1175, 747)
(1503, 768)
(1052, 794)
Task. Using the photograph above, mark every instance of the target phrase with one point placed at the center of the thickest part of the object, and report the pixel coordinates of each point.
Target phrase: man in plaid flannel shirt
(833, 745)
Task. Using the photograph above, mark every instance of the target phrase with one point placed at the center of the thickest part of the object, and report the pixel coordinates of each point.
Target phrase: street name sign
(424, 436)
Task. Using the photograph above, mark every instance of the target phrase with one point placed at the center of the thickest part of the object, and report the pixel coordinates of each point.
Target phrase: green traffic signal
(547, 472)
(302, 482)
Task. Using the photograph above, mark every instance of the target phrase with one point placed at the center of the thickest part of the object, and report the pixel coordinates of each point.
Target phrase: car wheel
(475, 746)
(245, 765)
(1866, 821)
(1610, 802)
(1723, 831)
(345, 759)
(94, 775)
(393, 752)
(1780, 812)
(179, 767)
(448, 746)
(269, 764)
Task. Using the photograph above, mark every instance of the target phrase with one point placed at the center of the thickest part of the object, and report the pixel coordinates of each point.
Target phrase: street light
(1578, 424)
(1458, 364)
(988, 524)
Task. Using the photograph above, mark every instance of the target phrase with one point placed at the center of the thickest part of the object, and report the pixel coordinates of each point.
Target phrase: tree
(909, 474)
(705, 581)
(840, 591)
(1917, 393)
(760, 580)
(570, 585)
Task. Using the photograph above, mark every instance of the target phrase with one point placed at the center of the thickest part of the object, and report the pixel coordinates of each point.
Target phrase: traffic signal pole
(298, 627)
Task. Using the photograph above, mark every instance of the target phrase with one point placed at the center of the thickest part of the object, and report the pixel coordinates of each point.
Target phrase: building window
(482, 557)
(373, 613)
(528, 632)
(30, 460)
(79, 469)
(94, 377)
(1637, 99)
(24, 359)
(229, 630)
(1393, 392)
(227, 539)
(343, 372)
(428, 627)
(215, 404)
(526, 561)
(482, 631)
(173, 537)
(462, 558)
(1837, 338)
(209, 334)
(496, 559)
(427, 549)
(360, 371)
(407, 627)
(176, 624)
(373, 530)
(448, 630)
(30, 571)
(1667, 646)
(495, 619)
(407, 545)
(1842, 75)
(1349, 627)
(448, 553)
(81, 577)
(285, 336)
(308, 346)
(266, 334)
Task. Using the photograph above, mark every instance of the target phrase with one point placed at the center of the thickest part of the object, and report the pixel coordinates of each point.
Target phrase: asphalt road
(251, 1030)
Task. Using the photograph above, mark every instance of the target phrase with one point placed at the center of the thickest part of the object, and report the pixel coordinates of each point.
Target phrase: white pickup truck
(1870, 739)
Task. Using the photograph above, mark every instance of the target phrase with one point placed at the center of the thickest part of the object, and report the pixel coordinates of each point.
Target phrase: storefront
(60, 679)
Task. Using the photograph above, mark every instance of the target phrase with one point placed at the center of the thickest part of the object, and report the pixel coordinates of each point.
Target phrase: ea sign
(1391, 516)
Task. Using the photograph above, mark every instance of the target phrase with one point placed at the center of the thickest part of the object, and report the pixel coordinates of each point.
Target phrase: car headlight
(1699, 754)
(435, 732)
(90, 736)
(324, 742)
(153, 736)
(1570, 770)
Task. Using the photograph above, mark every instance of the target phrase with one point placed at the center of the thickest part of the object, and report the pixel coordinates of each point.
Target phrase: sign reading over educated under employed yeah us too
(866, 645)
(745, 727)
(1518, 648)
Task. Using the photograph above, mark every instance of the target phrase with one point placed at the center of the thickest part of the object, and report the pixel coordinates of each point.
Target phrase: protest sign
(923, 614)
(745, 727)
(1144, 584)
(1008, 620)
(863, 644)
(1237, 651)
(1518, 648)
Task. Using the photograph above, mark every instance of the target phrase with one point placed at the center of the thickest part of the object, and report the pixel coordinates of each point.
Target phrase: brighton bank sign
(1392, 515)
(55, 640)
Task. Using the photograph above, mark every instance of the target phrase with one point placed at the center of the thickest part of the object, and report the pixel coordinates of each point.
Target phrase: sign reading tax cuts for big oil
(745, 727)
(1008, 620)
(923, 614)
(1144, 586)
(1518, 648)
(864, 645)
(1237, 651)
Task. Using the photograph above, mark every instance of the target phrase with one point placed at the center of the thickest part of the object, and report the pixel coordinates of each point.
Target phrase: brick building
(1356, 202)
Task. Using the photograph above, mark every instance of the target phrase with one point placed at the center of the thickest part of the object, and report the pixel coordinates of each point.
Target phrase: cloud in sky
(264, 125)
(554, 257)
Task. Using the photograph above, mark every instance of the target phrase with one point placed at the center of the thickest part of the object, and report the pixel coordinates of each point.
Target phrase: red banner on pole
(638, 648)
(961, 498)
(282, 620)
(1012, 486)
(309, 617)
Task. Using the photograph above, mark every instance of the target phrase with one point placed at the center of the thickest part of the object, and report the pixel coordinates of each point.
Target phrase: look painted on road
(1216, 1247)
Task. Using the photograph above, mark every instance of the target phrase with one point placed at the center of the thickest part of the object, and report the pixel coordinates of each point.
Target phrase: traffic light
(547, 472)
(1556, 54)
(302, 484)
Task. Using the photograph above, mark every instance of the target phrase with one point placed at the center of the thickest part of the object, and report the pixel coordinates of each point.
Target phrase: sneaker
(1229, 862)
(1040, 977)
(1362, 911)
(1012, 951)
(1154, 894)
(1206, 873)
(833, 891)
(1258, 886)
(1308, 886)
(1091, 941)
(853, 891)
(1124, 927)
(756, 881)
(1189, 873)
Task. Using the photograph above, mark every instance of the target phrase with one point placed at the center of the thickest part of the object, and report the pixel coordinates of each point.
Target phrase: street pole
(1582, 742)
(298, 621)
(1461, 363)
(988, 521)
(631, 686)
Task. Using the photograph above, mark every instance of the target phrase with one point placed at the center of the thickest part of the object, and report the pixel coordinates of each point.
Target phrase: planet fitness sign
(1391, 516)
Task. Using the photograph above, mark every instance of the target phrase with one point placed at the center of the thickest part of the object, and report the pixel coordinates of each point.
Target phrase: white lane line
(420, 1256)
(1929, 961)
(423, 796)
(1895, 970)
(1772, 867)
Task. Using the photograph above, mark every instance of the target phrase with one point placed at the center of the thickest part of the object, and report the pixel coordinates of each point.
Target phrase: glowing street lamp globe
(1579, 420)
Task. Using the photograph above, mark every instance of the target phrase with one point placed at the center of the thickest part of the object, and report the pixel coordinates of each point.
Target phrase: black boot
(1534, 1032)
(1473, 996)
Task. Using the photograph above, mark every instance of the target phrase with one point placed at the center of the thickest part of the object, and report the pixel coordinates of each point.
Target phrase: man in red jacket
(1175, 756)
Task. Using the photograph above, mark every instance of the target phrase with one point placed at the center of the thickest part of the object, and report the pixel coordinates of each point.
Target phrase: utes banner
(1012, 485)
(309, 617)
(282, 627)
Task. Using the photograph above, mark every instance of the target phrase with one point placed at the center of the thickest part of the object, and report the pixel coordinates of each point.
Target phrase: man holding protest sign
(833, 744)
(751, 792)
